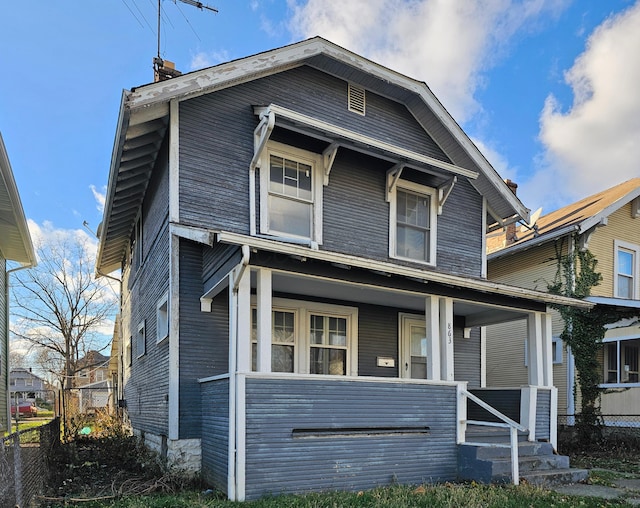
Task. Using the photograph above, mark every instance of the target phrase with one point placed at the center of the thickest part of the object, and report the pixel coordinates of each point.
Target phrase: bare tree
(60, 307)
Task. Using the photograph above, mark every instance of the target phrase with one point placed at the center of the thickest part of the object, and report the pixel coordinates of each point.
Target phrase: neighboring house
(607, 224)
(16, 246)
(26, 384)
(301, 239)
(92, 382)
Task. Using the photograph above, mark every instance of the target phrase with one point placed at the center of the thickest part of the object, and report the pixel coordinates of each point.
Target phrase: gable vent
(356, 99)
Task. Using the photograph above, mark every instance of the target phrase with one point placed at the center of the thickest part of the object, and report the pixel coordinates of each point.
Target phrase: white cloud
(203, 59)
(447, 44)
(497, 160)
(99, 196)
(594, 145)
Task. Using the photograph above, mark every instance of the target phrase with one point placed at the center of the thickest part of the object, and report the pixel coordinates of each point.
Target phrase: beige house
(608, 224)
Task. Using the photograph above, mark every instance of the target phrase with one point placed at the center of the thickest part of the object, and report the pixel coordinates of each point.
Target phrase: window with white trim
(291, 193)
(626, 270)
(621, 361)
(412, 222)
(141, 340)
(310, 338)
(162, 318)
(556, 351)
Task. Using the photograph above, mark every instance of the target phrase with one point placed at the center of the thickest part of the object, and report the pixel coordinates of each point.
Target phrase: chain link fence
(24, 463)
(619, 421)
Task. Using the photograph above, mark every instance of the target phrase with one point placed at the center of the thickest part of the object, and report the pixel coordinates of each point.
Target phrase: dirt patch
(93, 468)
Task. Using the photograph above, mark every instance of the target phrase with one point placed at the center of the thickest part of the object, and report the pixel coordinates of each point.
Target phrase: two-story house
(92, 383)
(607, 224)
(15, 246)
(25, 384)
(301, 239)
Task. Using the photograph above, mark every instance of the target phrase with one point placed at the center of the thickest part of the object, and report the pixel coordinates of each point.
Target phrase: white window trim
(162, 332)
(141, 336)
(303, 310)
(620, 245)
(296, 328)
(619, 342)
(315, 161)
(393, 223)
(557, 358)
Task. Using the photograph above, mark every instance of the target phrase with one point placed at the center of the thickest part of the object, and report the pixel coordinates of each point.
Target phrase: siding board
(215, 432)
(278, 463)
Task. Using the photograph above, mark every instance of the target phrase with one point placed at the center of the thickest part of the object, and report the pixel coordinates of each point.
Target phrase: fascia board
(6, 173)
(594, 220)
(118, 144)
(400, 270)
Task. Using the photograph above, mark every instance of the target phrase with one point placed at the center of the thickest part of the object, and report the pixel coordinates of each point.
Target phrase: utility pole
(164, 69)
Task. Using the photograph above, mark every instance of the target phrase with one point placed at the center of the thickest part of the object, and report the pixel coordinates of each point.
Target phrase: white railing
(506, 423)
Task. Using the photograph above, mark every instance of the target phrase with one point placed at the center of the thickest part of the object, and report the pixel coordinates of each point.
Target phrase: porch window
(310, 338)
(291, 193)
(622, 362)
(328, 343)
(413, 222)
(282, 340)
(626, 262)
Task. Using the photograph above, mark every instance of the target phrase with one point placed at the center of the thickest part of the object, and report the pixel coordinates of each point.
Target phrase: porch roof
(210, 237)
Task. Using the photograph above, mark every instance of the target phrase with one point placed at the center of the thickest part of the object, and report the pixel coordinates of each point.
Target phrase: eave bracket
(394, 175)
(443, 192)
(328, 157)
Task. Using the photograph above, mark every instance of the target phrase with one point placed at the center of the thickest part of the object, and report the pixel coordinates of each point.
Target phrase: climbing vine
(584, 329)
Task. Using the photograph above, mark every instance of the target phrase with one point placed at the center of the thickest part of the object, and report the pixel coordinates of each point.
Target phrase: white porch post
(432, 316)
(243, 330)
(547, 350)
(263, 290)
(446, 339)
(534, 348)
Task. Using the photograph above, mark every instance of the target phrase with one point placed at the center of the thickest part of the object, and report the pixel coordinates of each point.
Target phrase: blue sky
(546, 88)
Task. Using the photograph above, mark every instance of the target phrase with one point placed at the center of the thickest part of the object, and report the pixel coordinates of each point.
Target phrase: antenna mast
(163, 70)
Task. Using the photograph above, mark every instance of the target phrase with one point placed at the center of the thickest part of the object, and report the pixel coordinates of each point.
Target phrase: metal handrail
(513, 426)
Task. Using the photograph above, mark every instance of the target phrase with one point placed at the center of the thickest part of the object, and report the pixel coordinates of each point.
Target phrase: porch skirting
(317, 433)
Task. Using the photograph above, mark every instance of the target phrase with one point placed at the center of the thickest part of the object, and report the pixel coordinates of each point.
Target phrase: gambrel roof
(15, 239)
(144, 116)
(580, 217)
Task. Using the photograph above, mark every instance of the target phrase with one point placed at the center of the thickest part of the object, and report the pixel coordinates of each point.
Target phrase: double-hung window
(626, 270)
(310, 338)
(412, 231)
(291, 193)
(622, 361)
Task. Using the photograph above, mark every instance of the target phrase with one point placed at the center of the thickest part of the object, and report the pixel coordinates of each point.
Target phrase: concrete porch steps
(486, 458)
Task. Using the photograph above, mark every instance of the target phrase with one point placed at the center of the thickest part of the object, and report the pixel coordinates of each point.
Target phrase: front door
(413, 347)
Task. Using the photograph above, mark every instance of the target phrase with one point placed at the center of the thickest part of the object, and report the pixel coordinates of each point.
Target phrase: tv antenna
(166, 70)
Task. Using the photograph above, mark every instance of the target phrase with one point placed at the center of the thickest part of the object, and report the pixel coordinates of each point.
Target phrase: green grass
(448, 495)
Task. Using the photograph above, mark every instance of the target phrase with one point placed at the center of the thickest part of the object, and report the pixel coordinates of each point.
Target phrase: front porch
(306, 433)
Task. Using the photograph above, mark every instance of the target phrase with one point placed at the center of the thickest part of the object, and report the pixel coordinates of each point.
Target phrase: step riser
(547, 463)
(527, 449)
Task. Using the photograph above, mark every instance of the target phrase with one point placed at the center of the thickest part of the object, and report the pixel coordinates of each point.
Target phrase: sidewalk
(627, 489)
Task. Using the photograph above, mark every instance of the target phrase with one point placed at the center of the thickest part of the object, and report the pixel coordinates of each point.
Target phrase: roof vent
(356, 99)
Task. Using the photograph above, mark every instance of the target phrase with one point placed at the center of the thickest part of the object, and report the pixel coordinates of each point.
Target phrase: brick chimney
(510, 230)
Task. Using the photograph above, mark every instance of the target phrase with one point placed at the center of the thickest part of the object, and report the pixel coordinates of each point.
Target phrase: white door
(413, 347)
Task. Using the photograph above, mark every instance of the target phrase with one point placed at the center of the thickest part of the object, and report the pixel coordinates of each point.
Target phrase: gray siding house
(301, 239)
(15, 246)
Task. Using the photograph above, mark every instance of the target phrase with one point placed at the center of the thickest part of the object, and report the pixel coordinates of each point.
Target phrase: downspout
(233, 362)
(6, 331)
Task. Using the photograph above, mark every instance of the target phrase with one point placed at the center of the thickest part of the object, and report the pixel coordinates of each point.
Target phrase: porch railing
(505, 422)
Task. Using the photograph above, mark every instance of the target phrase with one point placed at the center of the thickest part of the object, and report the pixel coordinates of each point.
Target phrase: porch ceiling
(475, 314)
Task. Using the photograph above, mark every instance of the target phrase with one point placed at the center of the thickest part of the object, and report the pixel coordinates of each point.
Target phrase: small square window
(141, 340)
(162, 318)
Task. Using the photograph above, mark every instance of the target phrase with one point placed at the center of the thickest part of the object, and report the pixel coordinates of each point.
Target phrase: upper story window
(412, 222)
(291, 194)
(626, 270)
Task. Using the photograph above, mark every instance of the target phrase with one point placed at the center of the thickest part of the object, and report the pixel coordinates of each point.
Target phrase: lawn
(447, 495)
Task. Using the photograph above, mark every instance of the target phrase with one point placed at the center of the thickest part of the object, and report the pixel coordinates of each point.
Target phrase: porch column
(263, 290)
(446, 339)
(534, 348)
(547, 350)
(243, 327)
(432, 326)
